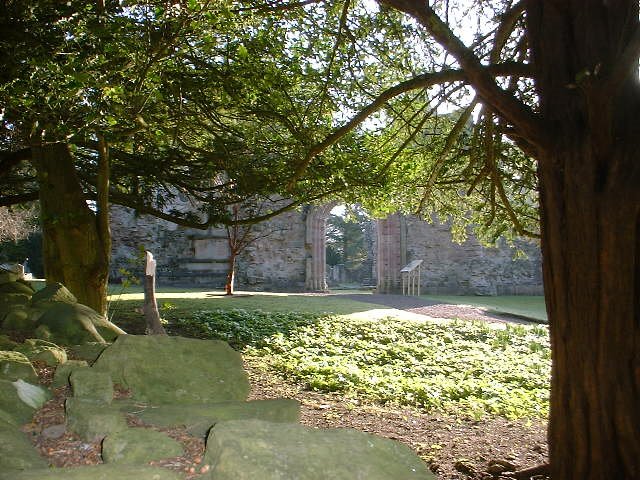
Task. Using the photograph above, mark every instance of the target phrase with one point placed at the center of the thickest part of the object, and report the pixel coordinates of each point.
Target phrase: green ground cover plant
(465, 368)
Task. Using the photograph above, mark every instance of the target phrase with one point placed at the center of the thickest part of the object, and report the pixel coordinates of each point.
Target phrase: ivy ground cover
(465, 368)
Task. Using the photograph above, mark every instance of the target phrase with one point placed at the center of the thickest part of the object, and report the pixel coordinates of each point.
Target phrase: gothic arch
(315, 246)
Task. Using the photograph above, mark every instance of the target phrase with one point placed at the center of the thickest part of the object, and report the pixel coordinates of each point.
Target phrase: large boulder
(250, 449)
(173, 370)
(198, 419)
(88, 351)
(94, 472)
(16, 451)
(139, 446)
(15, 365)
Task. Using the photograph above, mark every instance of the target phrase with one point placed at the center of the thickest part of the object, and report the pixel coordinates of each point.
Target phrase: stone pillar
(315, 245)
(391, 253)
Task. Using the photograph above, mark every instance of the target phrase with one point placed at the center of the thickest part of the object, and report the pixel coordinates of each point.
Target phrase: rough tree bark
(590, 212)
(586, 139)
(74, 252)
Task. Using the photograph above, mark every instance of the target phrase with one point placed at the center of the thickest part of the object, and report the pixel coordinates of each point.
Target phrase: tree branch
(18, 199)
(479, 76)
(425, 80)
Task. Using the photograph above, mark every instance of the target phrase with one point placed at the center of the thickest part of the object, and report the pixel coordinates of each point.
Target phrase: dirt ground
(454, 449)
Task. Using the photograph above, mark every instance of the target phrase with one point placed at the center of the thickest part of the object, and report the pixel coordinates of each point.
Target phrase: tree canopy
(480, 110)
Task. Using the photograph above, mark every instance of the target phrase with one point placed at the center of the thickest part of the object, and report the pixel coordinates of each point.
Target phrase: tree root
(528, 473)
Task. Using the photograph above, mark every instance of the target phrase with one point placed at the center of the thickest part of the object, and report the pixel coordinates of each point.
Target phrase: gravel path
(435, 309)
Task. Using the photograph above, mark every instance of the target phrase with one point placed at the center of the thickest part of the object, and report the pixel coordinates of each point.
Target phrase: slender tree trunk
(73, 250)
(231, 272)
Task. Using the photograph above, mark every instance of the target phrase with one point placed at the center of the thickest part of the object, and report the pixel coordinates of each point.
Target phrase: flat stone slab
(198, 419)
(64, 371)
(93, 420)
(139, 446)
(88, 351)
(175, 370)
(89, 384)
(252, 449)
(94, 472)
(15, 365)
(16, 451)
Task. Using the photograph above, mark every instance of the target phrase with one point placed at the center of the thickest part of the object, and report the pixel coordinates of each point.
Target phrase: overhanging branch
(478, 75)
(425, 80)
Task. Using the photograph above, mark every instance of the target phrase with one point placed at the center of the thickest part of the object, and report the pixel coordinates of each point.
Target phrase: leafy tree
(136, 102)
(557, 90)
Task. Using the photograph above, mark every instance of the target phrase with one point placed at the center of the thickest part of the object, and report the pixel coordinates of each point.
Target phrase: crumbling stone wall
(186, 256)
(289, 255)
(470, 268)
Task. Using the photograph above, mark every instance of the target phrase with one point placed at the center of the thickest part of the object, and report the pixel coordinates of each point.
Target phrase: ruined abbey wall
(289, 255)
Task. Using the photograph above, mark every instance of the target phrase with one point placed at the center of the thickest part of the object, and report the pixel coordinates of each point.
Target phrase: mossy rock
(199, 418)
(16, 288)
(19, 318)
(15, 365)
(169, 370)
(139, 446)
(250, 449)
(64, 371)
(41, 350)
(94, 472)
(93, 420)
(91, 384)
(13, 405)
(6, 343)
(7, 276)
(10, 300)
(74, 323)
(87, 351)
(16, 451)
(53, 292)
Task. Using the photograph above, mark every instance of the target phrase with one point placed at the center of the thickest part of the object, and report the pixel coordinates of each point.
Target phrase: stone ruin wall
(292, 257)
(187, 256)
(471, 268)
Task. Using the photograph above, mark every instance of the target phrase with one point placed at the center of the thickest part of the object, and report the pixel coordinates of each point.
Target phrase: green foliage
(468, 369)
(241, 328)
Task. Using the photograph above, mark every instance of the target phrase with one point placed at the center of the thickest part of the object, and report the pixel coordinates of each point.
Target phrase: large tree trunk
(590, 218)
(73, 250)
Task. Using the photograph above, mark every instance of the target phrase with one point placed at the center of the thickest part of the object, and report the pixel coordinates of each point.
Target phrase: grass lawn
(185, 301)
(522, 305)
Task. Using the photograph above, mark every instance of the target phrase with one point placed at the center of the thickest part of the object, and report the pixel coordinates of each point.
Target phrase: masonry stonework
(289, 255)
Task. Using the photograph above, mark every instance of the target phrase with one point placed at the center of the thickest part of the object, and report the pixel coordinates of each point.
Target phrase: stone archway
(315, 247)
